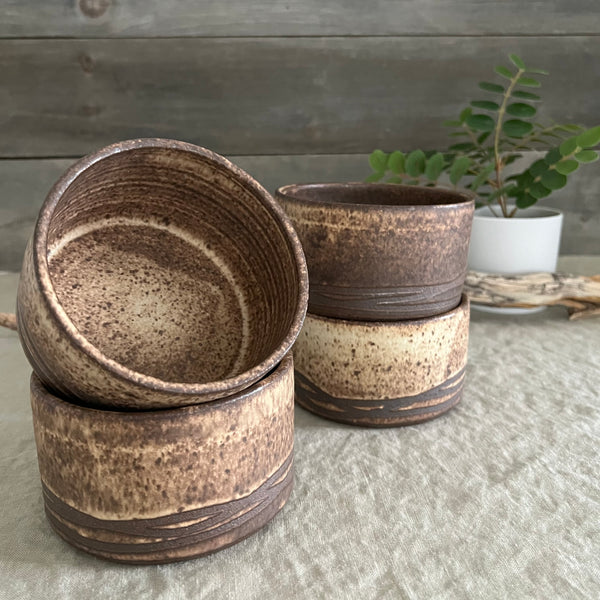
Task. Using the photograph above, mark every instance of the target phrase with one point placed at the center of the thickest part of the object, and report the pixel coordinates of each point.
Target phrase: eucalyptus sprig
(496, 130)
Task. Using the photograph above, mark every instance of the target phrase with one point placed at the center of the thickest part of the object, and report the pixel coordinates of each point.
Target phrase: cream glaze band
(382, 374)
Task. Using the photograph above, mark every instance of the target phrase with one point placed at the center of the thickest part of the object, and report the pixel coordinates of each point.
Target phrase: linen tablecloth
(499, 498)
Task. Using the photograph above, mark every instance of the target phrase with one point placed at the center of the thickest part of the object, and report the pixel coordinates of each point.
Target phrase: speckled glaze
(382, 374)
(381, 252)
(159, 275)
(162, 486)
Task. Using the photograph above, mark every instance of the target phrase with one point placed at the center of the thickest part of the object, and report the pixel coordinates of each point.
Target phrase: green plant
(496, 131)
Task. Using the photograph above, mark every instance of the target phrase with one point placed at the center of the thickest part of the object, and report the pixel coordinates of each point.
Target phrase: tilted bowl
(167, 485)
(380, 252)
(158, 275)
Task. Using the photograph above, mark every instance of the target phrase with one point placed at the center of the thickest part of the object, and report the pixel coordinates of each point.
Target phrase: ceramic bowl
(381, 251)
(381, 374)
(159, 275)
(162, 486)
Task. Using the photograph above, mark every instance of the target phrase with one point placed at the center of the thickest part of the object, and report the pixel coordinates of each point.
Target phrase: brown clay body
(159, 275)
(382, 374)
(380, 252)
(162, 486)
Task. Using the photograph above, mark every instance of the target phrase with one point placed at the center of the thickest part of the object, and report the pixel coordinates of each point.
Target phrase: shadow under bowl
(159, 275)
(382, 374)
(162, 486)
(381, 252)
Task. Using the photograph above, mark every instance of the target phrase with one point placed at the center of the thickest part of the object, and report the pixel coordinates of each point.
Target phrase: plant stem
(492, 211)
(497, 157)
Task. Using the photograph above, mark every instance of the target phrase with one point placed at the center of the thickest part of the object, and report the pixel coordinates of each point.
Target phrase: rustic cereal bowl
(159, 275)
(168, 485)
(381, 251)
(382, 374)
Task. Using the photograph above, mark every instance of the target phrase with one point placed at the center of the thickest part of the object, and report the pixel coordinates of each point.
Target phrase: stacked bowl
(160, 295)
(385, 339)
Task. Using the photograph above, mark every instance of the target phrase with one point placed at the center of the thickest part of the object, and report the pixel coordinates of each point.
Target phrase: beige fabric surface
(497, 499)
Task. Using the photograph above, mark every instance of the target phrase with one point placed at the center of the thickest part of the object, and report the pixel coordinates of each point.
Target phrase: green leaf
(554, 180)
(517, 61)
(483, 136)
(529, 82)
(464, 114)
(504, 72)
(378, 160)
(537, 190)
(516, 128)
(395, 162)
(587, 156)
(553, 156)
(539, 167)
(525, 179)
(568, 146)
(462, 147)
(481, 178)
(459, 168)
(570, 127)
(520, 109)
(589, 138)
(415, 163)
(564, 167)
(539, 71)
(491, 87)
(434, 166)
(377, 176)
(452, 123)
(526, 95)
(508, 160)
(525, 201)
(550, 134)
(485, 104)
(481, 122)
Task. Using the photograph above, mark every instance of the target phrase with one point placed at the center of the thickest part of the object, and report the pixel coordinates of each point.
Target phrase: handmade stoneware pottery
(381, 251)
(162, 486)
(159, 275)
(381, 374)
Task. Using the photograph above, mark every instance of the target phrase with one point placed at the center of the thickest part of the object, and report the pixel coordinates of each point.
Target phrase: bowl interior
(372, 194)
(171, 266)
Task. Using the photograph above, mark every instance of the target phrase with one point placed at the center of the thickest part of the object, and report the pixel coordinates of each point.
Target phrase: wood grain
(269, 95)
(25, 183)
(131, 18)
(579, 294)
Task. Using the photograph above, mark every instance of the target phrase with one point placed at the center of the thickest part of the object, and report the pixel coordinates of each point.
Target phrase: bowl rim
(532, 213)
(269, 381)
(210, 388)
(464, 198)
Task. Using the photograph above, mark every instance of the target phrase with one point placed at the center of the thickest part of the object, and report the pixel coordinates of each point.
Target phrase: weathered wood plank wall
(294, 91)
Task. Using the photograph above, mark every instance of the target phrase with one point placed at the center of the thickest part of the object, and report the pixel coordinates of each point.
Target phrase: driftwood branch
(579, 294)
(8, 320)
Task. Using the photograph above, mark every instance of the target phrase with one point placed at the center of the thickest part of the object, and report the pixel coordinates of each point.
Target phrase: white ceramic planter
(526, 243)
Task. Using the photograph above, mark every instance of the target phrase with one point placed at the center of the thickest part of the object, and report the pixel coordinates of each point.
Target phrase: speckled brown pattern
(161, 486)
(159, 275)
(382, 374)
(381, 252)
